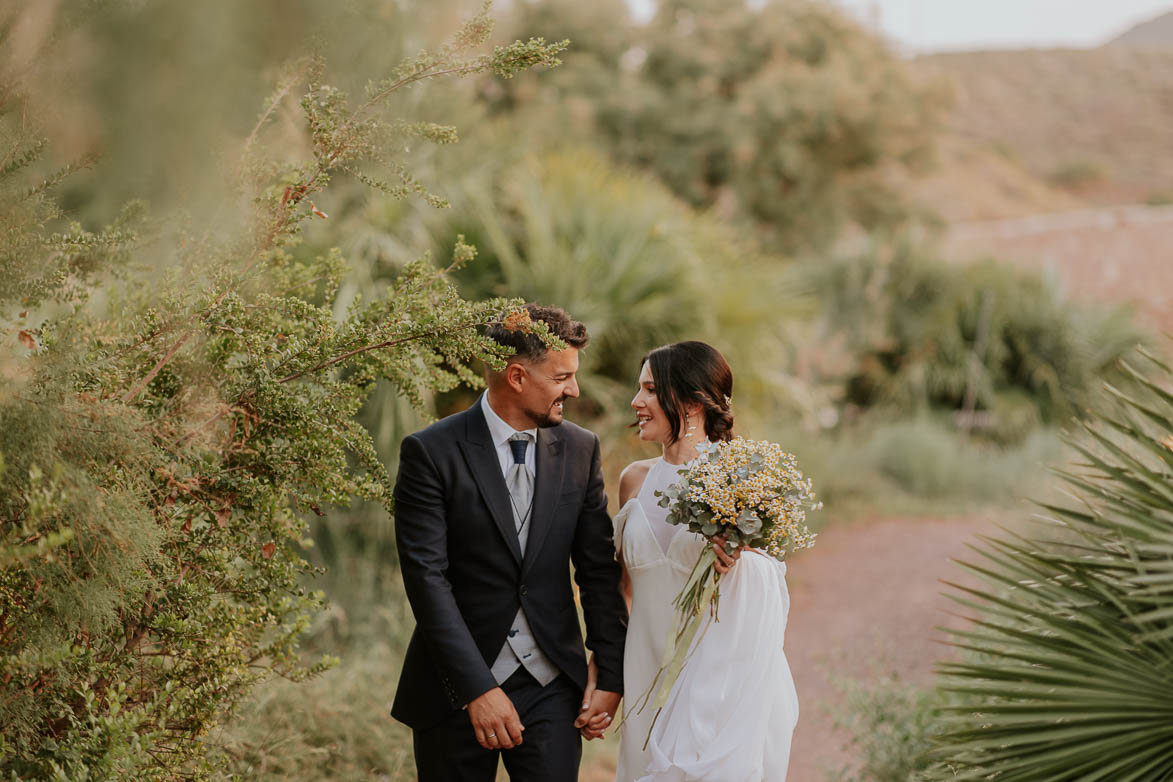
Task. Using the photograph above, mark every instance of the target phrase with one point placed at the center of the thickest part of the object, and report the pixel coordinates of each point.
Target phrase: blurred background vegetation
(768, 177)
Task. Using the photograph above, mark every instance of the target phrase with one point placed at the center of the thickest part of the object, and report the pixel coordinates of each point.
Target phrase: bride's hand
(592, 721)
(725, 562)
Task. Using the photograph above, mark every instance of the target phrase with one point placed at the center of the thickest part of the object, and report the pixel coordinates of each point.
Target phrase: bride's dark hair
(693, 372)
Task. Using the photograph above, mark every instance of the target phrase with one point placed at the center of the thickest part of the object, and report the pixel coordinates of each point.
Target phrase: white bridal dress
(731, 713)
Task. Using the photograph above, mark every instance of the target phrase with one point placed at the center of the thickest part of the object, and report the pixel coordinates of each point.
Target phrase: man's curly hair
(528, 346)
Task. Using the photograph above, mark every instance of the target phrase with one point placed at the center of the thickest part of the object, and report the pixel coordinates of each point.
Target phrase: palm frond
(1068, 672)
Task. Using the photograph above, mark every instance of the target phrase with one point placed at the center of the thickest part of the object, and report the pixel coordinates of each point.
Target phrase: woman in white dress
(730, 714)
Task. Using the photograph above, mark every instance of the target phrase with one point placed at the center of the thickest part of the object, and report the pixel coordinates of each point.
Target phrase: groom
(492, 505)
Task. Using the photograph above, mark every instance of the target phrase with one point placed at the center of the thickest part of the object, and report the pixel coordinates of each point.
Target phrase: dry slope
(1096, 121)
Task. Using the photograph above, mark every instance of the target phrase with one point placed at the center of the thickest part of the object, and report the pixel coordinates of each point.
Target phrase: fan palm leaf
(1068, 672)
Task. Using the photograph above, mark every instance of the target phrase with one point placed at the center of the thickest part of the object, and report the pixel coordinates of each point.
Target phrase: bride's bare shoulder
(632, 478)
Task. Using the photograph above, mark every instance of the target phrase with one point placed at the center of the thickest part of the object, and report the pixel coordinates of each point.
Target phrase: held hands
(495, 720)
(598, 707)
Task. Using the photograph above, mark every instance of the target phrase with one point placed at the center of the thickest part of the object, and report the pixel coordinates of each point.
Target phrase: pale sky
(918, 26)
(935, 25)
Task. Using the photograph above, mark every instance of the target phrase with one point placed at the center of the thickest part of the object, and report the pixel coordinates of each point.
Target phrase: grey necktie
(521, 486)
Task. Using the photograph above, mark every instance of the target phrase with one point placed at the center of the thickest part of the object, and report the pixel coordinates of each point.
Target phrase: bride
(731, 712)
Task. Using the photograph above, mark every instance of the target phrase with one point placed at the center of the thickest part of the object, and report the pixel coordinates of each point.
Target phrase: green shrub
(336, 727)
(930, 460)
(640, 268)
(919, 464)
(1076, 175)
(892, 726)
(999, 345)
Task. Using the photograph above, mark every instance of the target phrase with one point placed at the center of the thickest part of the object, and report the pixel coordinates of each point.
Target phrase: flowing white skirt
(731, 713)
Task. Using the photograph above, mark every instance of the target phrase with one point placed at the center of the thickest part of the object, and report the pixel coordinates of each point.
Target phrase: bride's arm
(625, 584)
(630, 481)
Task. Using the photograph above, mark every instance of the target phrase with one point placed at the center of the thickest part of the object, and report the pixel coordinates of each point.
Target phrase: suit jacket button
(523, 590)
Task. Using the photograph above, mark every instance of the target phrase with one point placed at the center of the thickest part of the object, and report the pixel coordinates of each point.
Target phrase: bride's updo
(693, 372)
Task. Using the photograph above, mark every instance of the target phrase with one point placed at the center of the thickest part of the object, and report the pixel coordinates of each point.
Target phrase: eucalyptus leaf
(749, 523)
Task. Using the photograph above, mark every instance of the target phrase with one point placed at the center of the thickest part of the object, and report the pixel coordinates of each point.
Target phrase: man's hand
(495, 720)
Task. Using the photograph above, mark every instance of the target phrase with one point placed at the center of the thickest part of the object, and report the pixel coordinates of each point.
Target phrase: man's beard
(545, 420)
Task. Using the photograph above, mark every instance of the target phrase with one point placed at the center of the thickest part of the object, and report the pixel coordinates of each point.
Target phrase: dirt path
(865, 603)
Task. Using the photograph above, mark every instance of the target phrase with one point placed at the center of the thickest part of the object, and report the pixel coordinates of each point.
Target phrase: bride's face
(653, 425)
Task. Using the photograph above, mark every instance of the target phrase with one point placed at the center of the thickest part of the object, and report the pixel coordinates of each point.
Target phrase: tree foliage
(637, 266)
(1068, 669)
(170, 409)
(145, 85)
(786, 114)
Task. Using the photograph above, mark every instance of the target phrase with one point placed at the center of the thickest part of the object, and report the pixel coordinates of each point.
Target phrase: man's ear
(514, 375)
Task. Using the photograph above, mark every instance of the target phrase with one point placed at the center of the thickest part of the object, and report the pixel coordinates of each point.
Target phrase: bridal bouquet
(752, 493)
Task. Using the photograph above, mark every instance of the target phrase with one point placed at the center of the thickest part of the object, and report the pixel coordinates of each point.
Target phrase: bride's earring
(691, 427)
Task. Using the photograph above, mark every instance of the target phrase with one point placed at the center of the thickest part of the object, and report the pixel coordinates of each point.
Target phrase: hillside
(1041, 150)
(1155, 33)
(1057, 128)
(973, 182)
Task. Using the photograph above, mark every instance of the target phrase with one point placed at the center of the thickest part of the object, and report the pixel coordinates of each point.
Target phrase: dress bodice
(642, 554)
(645, 539)
(660, 476)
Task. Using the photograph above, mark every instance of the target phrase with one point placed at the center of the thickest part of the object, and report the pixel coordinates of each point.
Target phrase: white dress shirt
(501, 432)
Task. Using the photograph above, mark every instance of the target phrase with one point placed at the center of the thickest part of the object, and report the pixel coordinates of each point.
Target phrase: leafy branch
(159, 452)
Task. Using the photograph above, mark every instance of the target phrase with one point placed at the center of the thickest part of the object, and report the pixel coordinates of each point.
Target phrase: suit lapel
(485, 467)
(547, 487)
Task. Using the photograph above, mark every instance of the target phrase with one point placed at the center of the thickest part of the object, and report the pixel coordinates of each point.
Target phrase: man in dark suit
(491, 507)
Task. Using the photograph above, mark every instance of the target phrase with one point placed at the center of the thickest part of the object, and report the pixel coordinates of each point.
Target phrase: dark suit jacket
(465, 575)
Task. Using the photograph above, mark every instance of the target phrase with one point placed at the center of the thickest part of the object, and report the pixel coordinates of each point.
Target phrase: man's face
(547, 384)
